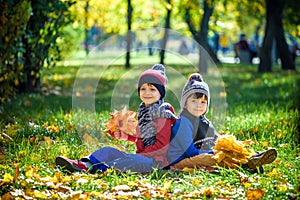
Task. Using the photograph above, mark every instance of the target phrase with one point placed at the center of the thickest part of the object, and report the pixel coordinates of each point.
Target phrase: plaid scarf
(146, 117)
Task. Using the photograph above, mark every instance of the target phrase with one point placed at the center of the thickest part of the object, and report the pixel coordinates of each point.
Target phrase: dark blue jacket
(186, 138)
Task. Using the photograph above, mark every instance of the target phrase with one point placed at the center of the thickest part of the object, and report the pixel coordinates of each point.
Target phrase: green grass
(261, 107)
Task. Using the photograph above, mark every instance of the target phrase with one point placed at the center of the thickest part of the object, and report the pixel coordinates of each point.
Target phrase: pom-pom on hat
(155, 76)
(195, 84)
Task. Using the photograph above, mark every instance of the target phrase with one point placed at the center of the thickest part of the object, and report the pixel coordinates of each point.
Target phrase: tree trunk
(166, 34)
(201, 38)
(274, 30)
(283, 49)
(265, 64)
(31, 82)
(129, 34)
(204, 55)
(86, 42)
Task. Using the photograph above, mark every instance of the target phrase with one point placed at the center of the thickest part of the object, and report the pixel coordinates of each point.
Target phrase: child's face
(196, 106)
(149, 94)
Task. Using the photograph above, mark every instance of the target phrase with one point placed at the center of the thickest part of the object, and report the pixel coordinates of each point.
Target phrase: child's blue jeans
(110, 157)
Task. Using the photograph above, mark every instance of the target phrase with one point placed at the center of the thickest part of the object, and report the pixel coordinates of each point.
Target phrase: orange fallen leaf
(254, 194)
(209, 191)
(53, 129)
(17, 172)
(7, 196)
(125, 120)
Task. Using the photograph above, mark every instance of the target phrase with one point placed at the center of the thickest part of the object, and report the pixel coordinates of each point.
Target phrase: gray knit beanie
(195, 84)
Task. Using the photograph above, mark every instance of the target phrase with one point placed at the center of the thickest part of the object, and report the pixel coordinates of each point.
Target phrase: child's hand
(120, 135)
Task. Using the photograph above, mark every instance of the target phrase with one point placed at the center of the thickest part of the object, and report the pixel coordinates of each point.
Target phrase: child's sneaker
(70, 165)
(262, 158)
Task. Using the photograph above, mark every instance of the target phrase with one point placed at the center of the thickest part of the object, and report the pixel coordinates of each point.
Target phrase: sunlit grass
(260, 107)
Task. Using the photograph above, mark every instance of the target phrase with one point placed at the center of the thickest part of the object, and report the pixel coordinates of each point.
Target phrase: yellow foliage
(39, 195)
(53, 129)
(7, 178)
(231, 152)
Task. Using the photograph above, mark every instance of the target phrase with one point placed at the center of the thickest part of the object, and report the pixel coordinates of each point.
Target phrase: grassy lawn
(39, 127)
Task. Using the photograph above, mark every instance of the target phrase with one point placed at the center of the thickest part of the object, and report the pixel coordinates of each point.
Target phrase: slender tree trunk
(283, 49)
(205, 51)
(204, 55)
(86, 42)
(129, 34)
(166, 33)
(265, 64)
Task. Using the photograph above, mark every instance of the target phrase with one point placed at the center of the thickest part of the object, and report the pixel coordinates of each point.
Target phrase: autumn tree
(30, 30)
(274, 16)
(40, 41)
(14, 17)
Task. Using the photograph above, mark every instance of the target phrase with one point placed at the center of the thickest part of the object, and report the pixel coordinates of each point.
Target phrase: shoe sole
(65, 165)
(268, 157)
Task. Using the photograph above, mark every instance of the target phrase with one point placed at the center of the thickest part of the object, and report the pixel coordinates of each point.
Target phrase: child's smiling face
(196, 105)
(149, 94)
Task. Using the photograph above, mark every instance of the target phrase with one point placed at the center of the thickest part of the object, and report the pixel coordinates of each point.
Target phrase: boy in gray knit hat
(193, 135)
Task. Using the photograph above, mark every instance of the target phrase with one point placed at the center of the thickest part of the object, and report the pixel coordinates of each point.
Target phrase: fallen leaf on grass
(265, 144)
(7, 178)
(17, 172)
(7, 196)
(167, 185)
(53, 129)
(89, 139)
(254, 194)
(209, 191)
(2, 153)
(121, 188)
(135, 194)
(41, 195)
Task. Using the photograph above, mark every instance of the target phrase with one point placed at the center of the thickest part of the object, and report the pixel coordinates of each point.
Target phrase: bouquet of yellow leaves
(125, 120)
(231, 152)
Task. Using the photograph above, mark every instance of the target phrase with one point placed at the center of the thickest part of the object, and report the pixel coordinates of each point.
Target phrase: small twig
(5, 135)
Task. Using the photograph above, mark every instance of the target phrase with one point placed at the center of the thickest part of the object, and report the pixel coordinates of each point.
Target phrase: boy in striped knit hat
(155, 119)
